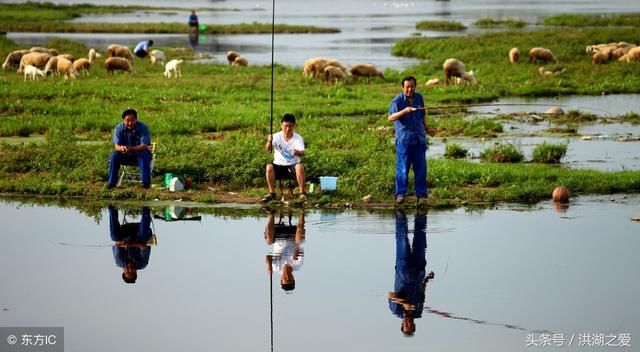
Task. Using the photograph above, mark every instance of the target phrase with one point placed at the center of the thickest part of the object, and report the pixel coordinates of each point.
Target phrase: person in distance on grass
(411, 140)
(131, 140)
(288, 147)
(142, 49)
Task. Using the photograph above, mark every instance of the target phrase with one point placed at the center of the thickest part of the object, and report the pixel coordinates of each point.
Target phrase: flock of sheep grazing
(622, 51)
(40, 62)
(333, 70)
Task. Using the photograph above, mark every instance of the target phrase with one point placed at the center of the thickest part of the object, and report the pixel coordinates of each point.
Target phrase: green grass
(443, 26)
(455, 151)
(603, 20)
(549, 153)
(49, 17)
(489, 22)
(486, 54)
(212, 125)
(502, 153)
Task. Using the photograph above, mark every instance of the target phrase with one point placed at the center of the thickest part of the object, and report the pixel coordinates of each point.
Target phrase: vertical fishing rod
(273, 31)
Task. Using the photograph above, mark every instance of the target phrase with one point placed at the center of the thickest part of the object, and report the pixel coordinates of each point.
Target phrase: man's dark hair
(409, 78)
(130, 280)
(288, 118)
(130, 112)
(150, 42)
(288, 287)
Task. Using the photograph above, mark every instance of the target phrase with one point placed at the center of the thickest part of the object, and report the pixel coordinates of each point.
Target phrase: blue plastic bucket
(328, 183)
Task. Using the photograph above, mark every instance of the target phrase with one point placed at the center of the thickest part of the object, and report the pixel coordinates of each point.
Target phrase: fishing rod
(443, 107)
(273, 31)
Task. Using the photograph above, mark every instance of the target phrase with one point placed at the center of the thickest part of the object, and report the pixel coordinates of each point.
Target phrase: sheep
(32, 72)
(82, 65)
(308, 67)
(67, 56)
(173, 66)
(38, 49)
(514, 55)
(455, 68)
(543, 71)
(240, 61)
(600, 57)
(433, 82)
(116, 50)
(13, 58)
(231, 56)
(157, 56)
(52, 65)
(118, 63)
(334, 73)
(632, 55)
(621, 51)
(543, 55)
(66, 66)
(36, 59)
(365, 70)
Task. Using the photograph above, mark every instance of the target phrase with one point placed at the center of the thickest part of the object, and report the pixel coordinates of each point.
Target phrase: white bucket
(328, 183)
(175, 185)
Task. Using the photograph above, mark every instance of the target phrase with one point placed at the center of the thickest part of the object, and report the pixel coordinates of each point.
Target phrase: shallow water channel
(505, 277)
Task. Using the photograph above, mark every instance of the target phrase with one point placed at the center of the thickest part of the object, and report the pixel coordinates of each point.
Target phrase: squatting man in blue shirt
(131, 139)
(409, 118)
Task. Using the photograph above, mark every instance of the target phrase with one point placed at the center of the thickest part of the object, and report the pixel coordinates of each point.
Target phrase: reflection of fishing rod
(443, 107)
(483, 322)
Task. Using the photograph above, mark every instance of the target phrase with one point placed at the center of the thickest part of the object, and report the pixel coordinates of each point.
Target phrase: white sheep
(632, 55)
(231, 56)
(240, 61)
(33, 72)
(173, 66)
(514, 55)
(600, 57)
(113, 64)
(51, 66)
(83, 65)
(116, 50)
(334, 73)
(38, 49)
(365, 70)
(455, 68)
(66, 66)
(36, 59)
(543, 55)
(157, 56)
(433, 82)
(13, 58)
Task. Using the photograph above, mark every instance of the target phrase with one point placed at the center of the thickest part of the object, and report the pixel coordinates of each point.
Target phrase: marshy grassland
(49, 17)
(212, 123)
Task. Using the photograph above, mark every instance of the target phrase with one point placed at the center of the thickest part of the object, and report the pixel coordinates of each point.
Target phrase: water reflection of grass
(344, 126)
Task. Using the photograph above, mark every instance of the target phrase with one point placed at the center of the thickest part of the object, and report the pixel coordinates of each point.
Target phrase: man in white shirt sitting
(288, 147)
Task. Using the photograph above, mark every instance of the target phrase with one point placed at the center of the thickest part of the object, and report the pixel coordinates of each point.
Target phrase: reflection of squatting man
(407, 300)
(286, 254)
(131, 250)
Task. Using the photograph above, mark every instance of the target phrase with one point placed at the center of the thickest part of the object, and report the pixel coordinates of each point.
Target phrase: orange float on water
(560, 195)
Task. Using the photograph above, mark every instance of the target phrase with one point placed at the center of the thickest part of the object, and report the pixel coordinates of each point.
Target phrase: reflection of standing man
(131, 250)
(286, 254)
(407, 299)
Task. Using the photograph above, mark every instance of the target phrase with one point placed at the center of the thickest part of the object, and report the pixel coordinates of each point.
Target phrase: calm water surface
(501, 275)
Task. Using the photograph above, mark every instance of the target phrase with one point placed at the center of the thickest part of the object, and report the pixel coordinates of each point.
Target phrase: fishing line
(273, 30)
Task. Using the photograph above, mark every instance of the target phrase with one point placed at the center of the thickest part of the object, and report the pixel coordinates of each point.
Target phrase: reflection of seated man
(407, 300)
(131, 250)
(286, 254)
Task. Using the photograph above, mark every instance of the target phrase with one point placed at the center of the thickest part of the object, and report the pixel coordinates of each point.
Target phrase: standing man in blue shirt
(409, 117)
(131, 140)
(142, 49)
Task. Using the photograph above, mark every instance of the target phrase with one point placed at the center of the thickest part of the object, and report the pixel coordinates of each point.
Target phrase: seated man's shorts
(285, 172)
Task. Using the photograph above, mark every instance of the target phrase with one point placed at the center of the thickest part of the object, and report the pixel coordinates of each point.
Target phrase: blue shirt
(131, 138)
(193, 21)
(409, 128)
(144, 45)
